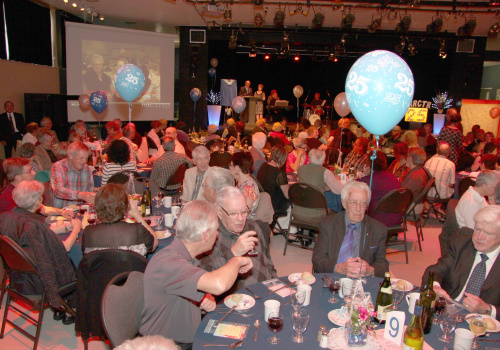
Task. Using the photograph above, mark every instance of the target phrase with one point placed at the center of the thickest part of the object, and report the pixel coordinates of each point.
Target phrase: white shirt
(444, 171)
(179, 148)
(332, 182)
(153, 136)
(29, 138)
(11, 116)
(470, 203)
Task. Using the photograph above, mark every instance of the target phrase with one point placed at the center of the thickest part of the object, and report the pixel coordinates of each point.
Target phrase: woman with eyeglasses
(241, 167)
(298, 156)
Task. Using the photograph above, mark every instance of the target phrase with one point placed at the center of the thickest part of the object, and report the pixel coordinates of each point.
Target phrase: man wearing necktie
(246, 90)
(469, 270)
(349, 242)
(12, 128)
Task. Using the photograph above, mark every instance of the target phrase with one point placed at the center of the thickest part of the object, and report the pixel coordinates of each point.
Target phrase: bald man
(172, 132)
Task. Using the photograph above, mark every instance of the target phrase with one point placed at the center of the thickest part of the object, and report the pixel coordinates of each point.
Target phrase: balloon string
(297, 110)
(130, 112)
(194, 113)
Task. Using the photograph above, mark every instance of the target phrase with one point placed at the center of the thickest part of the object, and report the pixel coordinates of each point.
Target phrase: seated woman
(277, 132)
(118, 160)
(312, 138)
(398, 167)
(358, 157)
(29, 230)
(298, 156)
(112, 203)
(28, 151)
(241, 167)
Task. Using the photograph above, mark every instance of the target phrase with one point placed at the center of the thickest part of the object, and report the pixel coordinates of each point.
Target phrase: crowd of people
(235, 189)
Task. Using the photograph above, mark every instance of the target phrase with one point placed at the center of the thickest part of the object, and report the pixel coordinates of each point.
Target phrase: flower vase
(355, 338)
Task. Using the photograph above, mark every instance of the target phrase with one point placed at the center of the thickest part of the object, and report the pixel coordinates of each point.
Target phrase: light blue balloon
(212, 72)
(98, 101)
(239, 104)
(129, 82)
(379, 90)
(195, 94)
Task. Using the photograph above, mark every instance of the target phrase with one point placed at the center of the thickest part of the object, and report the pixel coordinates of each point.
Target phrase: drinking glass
(92, 216)
(252, 252)
(347, 291)
(448, 324)
(159, 199)
(158, 216)
(398, 293)
(275, 324)
(297, 299)
(334, 288)
(300, 321)
(439, 307)
(477, 326)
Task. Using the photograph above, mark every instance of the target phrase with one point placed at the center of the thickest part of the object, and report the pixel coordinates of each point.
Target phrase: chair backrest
(396, 201)
(15, 257)
(178, 176)
(420, 199)
(275, 141)
(122, 323)
(140, 182)
(264, 211)
(209, 144)
(122, 177)
(307, 196)
(464, 185)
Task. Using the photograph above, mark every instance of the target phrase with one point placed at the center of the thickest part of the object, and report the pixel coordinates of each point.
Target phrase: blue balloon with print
(195, 94)
(98, 101)
(129, 82)
(239, 104)
(211, 72)
(379, 90)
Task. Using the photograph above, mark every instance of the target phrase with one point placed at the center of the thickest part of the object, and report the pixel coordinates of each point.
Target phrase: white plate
(65, 224)
(296, 277)
(469, 316)
(409, 286)
(338, 317)
(246, 302)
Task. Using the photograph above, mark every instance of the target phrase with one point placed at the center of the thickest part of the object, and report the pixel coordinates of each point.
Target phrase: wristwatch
(489, 311)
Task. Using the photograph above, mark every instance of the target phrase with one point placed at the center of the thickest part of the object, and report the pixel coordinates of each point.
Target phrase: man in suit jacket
(246, 90)
(454, 269)
(12, 128)
(195, 177)
(340, 250)
(260, 126)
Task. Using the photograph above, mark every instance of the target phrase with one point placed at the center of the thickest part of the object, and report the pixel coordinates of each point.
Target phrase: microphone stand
(327, 119)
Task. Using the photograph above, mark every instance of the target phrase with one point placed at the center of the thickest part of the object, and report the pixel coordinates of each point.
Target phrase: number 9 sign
(379, 89)
(129, 82)
(394, 326)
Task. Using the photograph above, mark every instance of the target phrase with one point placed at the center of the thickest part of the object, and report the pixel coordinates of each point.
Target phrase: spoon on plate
(231, 346)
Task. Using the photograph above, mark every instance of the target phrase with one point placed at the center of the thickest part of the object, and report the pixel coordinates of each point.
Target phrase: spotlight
(468, 28)
(82, 7)
(442, 50)
(411, 49)
(228, 15)
(435, 26)
(253, 52)
(74, 4)
(494, 2)
(257, 2)
(279, 19)
(232, 41)
(404, 25)
(374, 25)
(66, 1)
(258, 20)
(101, 17)
(493, 31)
(347, 21)
(296, 58)
(297, 10)
(332, 56)
(415, 3)
(305, 11)
(318, 20)
(285, 45)
(267, 57)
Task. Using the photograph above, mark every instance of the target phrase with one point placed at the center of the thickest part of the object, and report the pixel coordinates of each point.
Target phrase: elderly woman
(298, 156)
(46, 126)
(312, 138)
(112, 204)
(358, 157)
(62, 150)
(277, 132)
(410, 138)
(324, 136)
(212, 129)
(30, 136)
(241, 167)
(453, 136)
(46, 152)
(118, 160)
(398, 166)
(29, 230)
(28, 151)
(488, 137)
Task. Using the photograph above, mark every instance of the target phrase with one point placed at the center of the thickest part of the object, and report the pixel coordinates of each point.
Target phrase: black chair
(94, 273)
(123, 323)
(220, 159)
(275, 141)
(434, 199)
(396, 201)
(177, 178)
(122, 177)
(450, 226)
(416, 218)
(16, 259)
(209, 144)
(3, 280)
(306, 197)
(140, 182)
(464, 185)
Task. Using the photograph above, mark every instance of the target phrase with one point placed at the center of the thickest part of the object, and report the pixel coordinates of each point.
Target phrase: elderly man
(416, 179)
(172, 133)
(259, 140)
(230, 131)
(350, 243)
(166, 165)
(237, 236)
(469, 271)
(176, 290)
(395, 137)
(12, 128)
(195, 177)
(260, 126)
(46, 126)
(246, 90)
(443, 170)
(216, 179)
(343, 140)
(113, 131)
(71, 178)
(473, 199)
(45, 151)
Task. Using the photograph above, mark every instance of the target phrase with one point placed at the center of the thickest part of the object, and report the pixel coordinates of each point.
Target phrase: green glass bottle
(145, 203)
(414, 335)
(428, 297)
(384, 298)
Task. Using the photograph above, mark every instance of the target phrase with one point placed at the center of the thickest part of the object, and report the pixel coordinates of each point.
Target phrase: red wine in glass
(275, 324)
(148, 221)
(91, 221)
(83, 211)
(334, 288)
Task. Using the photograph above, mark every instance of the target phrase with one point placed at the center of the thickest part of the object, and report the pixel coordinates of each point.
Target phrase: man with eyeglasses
(349, 242)
(239, 236)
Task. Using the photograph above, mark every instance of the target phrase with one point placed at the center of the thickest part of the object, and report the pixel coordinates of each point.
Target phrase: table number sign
(395, 326)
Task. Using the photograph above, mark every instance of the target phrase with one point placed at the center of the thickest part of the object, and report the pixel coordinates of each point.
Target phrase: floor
(55, 335)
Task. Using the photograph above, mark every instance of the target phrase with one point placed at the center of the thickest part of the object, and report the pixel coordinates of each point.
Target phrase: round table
(318, 310)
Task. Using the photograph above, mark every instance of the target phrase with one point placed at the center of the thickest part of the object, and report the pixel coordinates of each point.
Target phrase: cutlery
(329, 282)
(227, 313)
(242, 314)
(489, 340)
(324, 282)
(288, 285)
(231, 346)
(256, 297)
(257, 326)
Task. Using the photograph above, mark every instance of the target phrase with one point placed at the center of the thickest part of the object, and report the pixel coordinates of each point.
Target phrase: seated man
(216, 179)
(443, 170)
(176, 290)
(259, 140)
(416, 179)
(473, 199)
(349, 242)
(172, 133)
(260, 126)
(237, 236)
(194, 178)
(468, 272)
(71, 178)
(166, 165)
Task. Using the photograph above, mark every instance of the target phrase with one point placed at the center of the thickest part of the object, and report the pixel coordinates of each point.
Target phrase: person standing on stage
(246, 90)
(12, 128)
(259, 106)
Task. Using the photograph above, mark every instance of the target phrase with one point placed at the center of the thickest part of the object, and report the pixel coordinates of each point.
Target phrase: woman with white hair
(212, 129)
(277, 132)
(298, 156)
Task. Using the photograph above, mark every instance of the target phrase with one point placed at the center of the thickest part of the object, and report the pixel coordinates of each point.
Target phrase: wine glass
(92, 216)
(439, 307)
(253, 252)
(398, 292)
(159, 199)
(334, 288)
(158, 216)
(448, 324)
(275, 324)
(477, 326)
(297, 299)
(300, 321)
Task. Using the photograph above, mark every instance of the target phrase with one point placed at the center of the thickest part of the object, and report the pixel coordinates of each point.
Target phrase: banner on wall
(478, 112)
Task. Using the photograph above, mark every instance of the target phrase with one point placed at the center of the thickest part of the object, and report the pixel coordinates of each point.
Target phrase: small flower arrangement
(361, 319)
(213, 97)
(441, 101)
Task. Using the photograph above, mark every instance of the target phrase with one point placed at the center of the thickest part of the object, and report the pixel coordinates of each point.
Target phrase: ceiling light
(82, 7)
(74, 4)
(66, 1)
(267, 57)
(435, 26)
(404, 25)
(347, 21)
(232, 41)
(374, 25)
(411, 49)
(305, 11)
(493, 31)
(258, 19)
(253, 52)
(285, 45)
(101, 17)
(468, 28)
(401, 46)
(296, 58)
(297, 10)
(279, 18)
(494, 2)
(318, 20)
(442, 50)
(414, 3)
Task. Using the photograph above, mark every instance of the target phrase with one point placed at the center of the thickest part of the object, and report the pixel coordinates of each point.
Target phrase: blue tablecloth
(318, 310)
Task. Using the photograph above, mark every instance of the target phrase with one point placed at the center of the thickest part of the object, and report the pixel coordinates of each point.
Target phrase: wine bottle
(414, 335)
(428, 297)
(149, 192)
(352, 173)
(384, 298)
(98, 161)
(145, 203)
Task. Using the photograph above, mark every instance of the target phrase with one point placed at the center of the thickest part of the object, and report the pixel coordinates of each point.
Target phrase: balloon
(211, 72)
(451, 111)
(84, 101)
(379, 90)
(129, 82)
(195, 94)
(494, 112)
(214, 62)
(298, 91)
(239, 104)
(341, 106)
(98, 101)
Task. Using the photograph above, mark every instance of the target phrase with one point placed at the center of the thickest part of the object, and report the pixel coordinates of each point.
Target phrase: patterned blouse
(251, 191)
(454, 137)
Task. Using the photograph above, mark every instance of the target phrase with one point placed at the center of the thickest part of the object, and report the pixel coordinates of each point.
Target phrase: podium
(248, 115)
